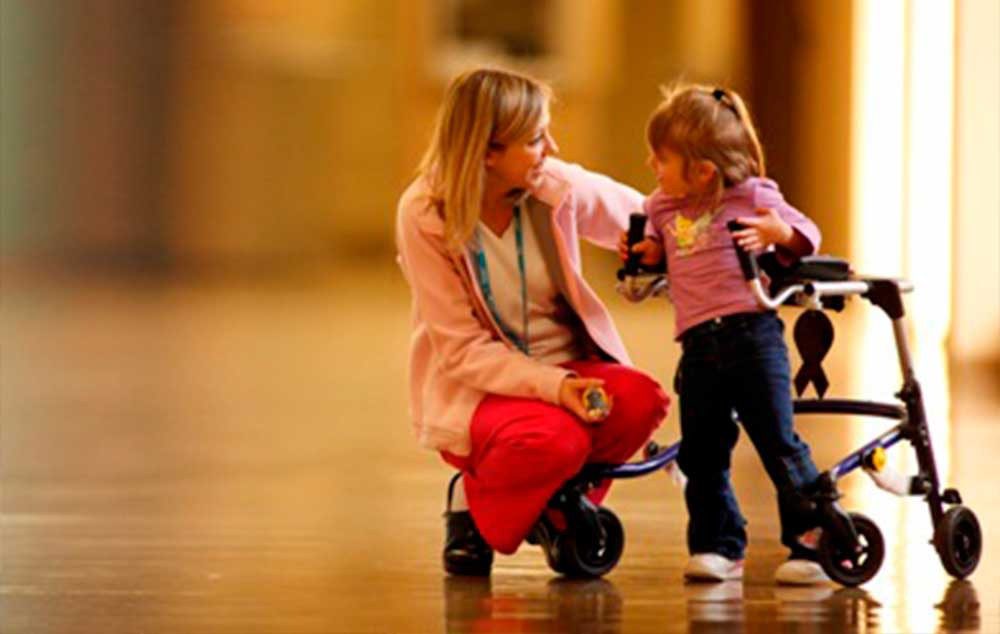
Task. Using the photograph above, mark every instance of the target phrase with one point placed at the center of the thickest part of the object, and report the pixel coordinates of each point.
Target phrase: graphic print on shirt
(690, 235)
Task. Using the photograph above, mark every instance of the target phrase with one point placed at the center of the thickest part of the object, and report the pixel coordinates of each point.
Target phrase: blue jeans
(737, 366)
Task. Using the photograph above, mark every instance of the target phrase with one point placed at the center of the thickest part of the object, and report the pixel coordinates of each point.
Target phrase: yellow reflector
(877, 459)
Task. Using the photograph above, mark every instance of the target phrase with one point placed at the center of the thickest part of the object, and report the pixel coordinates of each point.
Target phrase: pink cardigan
(457, 353)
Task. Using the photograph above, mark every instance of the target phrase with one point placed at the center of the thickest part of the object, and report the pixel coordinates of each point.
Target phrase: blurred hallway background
(204, 332)
(261, 138)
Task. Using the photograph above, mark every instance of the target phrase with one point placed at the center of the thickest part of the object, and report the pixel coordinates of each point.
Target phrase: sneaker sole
(710, 576)
(815, 581)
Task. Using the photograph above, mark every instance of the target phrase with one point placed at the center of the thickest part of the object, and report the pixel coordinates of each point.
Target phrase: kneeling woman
(507, 335)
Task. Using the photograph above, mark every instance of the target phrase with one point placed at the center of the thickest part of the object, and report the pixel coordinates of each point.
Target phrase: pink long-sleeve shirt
(457, 352)
(705, 277)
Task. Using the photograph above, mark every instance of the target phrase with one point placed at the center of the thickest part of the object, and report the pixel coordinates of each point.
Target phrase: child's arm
(777, 223)
(767, 228)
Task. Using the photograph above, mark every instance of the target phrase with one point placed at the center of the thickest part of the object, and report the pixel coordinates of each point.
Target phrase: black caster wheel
(853, 564)
(959, 541)
(578, 553)
(546, 536)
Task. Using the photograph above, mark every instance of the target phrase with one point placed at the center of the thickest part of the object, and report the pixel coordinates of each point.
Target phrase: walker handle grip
(748, 263)
(636, 232)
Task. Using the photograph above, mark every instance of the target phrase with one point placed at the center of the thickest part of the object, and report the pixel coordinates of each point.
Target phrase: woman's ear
(493, 155)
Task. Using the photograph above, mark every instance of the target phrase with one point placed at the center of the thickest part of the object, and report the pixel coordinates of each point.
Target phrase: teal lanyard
(484, 284)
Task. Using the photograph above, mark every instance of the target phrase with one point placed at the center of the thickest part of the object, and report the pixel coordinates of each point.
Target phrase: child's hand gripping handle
(636, 233)
(748, 263)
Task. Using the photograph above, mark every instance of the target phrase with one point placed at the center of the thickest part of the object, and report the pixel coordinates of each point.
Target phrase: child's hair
(702, 123)
(483, 109)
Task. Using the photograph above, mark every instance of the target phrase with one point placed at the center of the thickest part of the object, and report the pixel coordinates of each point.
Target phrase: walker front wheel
(959, 541)
(851, 564)
(580, 553)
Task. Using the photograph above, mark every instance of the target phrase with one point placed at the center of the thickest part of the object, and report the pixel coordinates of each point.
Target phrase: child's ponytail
(740, 109)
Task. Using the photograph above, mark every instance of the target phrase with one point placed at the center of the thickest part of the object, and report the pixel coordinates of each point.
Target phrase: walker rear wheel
(959, 541)
(853, 564)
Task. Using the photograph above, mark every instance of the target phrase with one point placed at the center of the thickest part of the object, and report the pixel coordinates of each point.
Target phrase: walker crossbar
(857, 458)
(659, 460)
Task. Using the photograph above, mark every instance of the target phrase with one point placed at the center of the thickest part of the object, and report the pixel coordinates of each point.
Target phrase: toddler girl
(710, 170)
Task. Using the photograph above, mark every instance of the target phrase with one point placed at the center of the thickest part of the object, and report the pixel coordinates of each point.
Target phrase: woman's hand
(651, 251)
(763, 230)
(571, 396)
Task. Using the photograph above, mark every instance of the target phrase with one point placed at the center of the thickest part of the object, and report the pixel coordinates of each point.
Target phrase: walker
(851, 548)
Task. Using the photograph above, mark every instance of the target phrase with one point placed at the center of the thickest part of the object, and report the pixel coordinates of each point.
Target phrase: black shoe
(465, 550)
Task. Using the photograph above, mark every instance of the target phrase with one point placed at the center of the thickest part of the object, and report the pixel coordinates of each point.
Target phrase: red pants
(523, 450)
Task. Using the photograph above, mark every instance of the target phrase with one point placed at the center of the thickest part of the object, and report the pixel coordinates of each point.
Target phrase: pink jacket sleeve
(466, 348)
(603, 206)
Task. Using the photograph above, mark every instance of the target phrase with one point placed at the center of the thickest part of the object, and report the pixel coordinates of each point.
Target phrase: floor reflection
(710, 604)
(959, 608)
(558, 605)
(475, 605)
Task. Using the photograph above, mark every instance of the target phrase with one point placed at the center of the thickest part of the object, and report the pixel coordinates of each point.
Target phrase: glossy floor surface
(235, 457)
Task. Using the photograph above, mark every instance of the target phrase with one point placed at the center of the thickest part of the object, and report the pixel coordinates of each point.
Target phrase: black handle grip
(748, 263)
(636, 232)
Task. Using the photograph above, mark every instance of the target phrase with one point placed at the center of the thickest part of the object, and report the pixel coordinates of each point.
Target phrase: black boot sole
(465, 568)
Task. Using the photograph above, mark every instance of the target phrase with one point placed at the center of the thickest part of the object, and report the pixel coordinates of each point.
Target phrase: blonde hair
(483, 109)
(702, 123)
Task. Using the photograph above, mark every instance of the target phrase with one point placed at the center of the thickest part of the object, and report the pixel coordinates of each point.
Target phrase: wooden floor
(236, 457)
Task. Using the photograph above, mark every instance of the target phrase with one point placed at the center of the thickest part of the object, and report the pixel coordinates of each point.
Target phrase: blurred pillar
(29, 125)
(285, 132)
(82, 123)
(800, 65)
(975, 335)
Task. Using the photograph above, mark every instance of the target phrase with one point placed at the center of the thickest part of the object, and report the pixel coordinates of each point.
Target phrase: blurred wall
(278, 134)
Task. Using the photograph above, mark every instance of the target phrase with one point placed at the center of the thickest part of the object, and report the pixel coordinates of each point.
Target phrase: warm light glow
(929, 136)
(876, 221)
(878, 124)
(902, 216)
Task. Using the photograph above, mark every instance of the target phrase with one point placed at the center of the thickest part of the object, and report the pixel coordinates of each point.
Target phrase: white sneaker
(713, 567)
(722, 592)
(800, 572)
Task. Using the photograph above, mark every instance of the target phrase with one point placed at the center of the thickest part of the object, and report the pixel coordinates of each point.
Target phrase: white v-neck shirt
(551, 340)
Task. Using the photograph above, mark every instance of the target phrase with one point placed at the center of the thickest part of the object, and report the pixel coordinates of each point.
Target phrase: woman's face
(518, 165)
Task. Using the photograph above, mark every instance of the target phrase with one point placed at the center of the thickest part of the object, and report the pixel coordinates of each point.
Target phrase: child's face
(672, 173)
